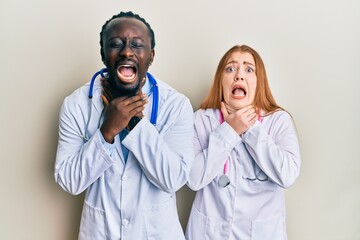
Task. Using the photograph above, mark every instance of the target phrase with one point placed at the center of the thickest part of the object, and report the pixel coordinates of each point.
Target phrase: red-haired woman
(247, 152)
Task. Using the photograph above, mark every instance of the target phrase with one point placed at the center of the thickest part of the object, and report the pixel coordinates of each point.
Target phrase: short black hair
(129, 15)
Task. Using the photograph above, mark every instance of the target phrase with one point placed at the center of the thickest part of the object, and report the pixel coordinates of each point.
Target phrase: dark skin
(127, 54)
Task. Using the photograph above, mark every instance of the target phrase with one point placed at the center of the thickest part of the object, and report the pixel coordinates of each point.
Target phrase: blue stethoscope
(155, 89)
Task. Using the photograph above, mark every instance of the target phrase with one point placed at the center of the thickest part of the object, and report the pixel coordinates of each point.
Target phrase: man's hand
(119, 111)
(107, 94)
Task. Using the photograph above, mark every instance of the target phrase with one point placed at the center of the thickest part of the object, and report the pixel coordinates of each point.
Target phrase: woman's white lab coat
(246, 209)
(135, 200)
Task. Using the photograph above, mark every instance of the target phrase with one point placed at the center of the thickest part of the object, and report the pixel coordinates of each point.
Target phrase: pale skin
(239, 85)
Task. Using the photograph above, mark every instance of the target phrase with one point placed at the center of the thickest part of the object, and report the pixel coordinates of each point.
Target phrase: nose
(238, 76)
(127, 51)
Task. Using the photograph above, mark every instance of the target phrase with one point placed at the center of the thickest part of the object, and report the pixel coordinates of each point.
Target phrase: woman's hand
(240, 120)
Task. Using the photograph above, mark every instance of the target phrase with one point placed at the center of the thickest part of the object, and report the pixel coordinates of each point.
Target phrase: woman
(247, 152)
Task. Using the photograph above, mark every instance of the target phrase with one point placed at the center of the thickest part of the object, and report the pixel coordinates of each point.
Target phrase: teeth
(239, 92)
(127, 77)
(126, 72)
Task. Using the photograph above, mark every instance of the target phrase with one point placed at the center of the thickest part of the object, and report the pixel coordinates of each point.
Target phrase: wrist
(109, 138)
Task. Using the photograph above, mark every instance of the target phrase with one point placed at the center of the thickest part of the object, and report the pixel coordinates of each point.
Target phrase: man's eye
(115, 44)
(136, 45)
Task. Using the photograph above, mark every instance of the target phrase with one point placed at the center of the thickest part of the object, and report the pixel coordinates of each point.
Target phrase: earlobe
(152, 55)
(102, 56)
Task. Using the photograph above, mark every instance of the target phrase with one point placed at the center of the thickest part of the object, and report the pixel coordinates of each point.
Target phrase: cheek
(226, 84)
(252, 86)
(225, 90)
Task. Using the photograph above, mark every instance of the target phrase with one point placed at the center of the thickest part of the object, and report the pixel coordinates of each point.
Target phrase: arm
(277, 154)
(78, 162)
(212, 148)
(166, 157)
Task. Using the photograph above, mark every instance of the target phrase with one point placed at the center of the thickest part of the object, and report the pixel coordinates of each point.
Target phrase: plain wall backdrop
(311, 52)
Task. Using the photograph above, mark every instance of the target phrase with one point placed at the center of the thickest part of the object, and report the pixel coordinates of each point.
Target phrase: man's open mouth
(126, 73)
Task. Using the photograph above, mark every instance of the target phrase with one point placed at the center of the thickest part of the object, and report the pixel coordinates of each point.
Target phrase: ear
(152, 55)
(102, 56)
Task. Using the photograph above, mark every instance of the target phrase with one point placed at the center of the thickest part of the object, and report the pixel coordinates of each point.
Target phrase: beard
(121, 90)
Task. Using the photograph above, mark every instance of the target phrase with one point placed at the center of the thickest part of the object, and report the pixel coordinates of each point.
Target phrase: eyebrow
(244, 62)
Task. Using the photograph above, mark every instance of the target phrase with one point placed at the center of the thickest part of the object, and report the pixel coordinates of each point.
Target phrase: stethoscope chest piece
(224, 181)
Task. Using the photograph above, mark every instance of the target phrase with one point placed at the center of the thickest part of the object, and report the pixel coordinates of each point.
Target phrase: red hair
(263, 98)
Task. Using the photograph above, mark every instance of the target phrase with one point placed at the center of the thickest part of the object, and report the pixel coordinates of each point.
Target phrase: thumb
(224, 110)
(105, 100)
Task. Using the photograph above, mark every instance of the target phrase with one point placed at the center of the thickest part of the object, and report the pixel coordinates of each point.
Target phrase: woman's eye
(230, 69)
(250, 70)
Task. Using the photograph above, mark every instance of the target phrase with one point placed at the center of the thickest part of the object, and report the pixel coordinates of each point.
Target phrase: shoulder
(207, 117)
(279, 123)
(79, 93)
(77, 99)
(210, 113)
(279, 116)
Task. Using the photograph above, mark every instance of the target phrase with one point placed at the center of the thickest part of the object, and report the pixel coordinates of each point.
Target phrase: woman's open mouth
(238, 91)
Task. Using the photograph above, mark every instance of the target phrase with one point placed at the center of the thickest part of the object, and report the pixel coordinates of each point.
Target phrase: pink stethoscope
(224, 180)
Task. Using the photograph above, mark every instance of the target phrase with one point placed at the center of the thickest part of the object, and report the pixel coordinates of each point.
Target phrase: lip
(128, 68)
(238, 96)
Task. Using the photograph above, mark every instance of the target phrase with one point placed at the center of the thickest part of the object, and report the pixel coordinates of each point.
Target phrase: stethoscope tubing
(101, 72)
(155, 105)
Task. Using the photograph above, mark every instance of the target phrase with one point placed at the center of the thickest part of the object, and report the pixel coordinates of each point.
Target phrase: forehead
(241, 57)
(126, 26)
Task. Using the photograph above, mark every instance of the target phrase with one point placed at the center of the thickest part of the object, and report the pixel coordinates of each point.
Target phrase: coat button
(125, 222)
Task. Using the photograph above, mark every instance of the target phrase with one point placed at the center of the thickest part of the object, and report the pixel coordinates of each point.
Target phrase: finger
(247, 110)
(106, 89)
(250, 112)
(253, 117)
(105, 100)
(104, 81)
(140, 103)
(136, 98)
(224, 110)
(137, 111)
(140, 114)
(107, 94)
(139, 92)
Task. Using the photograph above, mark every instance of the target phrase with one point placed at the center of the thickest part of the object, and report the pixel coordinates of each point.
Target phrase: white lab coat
(135, 200)
(245, 209)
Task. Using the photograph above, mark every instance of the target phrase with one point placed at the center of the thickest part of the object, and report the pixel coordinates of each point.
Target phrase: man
(129, 165)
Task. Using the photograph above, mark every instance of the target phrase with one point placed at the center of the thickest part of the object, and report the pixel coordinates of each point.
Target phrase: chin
(125, 89)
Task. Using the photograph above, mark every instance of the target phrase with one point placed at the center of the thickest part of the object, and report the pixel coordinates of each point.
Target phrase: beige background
(310, 48)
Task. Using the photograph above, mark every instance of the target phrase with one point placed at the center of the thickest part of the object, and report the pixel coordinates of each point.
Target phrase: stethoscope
(224, 180)
(155, 91)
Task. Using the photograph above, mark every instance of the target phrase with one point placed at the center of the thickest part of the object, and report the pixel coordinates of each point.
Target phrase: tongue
(126, 71)
(239, 91)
